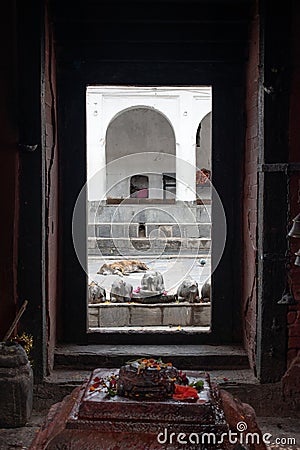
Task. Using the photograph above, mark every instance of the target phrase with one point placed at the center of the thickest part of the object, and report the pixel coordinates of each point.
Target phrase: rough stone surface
(16, 386)
(120, 315)
(55, 421)
(236, 413)
(201, 315)
(291, 383)
(145, 316)
(113, 316)
(177, 315)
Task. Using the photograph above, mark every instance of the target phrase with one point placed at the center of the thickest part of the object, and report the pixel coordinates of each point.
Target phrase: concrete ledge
(137, 315)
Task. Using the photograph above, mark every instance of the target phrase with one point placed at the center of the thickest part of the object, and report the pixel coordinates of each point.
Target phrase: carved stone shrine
(92, 420)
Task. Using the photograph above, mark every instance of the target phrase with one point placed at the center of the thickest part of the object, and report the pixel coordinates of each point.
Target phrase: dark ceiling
(199, 31)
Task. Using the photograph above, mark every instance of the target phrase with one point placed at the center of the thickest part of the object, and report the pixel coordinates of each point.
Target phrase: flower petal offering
(147, 379)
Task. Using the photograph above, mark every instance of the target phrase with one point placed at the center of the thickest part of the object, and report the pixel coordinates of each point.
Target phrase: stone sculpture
(152, 284)
(188, 290)
(206, 292)
(96, 293)
(120, 291)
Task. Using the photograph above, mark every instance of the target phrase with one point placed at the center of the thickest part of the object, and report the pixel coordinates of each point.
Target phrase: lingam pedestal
(89, 420)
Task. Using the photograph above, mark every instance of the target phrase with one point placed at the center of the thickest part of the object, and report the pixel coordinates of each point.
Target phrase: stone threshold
(151, 329)
(187, 357)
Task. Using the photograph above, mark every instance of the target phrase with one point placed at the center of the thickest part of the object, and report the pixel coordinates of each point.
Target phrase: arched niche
(138, 130)
(203, 156)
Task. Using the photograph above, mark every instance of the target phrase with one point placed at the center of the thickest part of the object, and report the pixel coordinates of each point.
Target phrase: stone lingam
(188, 291)
(152, 289)
(100, 415)
(120, 291)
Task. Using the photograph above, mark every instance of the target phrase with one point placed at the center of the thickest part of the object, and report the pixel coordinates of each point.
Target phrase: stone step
(134, 230)
(122, 246)
(186, 357)
(142, 213)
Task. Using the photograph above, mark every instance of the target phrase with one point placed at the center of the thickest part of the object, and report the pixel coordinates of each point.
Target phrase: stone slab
(114, 316)
(145, 315)
(185, 356)
(93, 320)
(201, 315)
(177, 315)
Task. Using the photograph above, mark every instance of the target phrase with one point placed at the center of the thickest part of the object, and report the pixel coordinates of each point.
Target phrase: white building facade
(149, 131)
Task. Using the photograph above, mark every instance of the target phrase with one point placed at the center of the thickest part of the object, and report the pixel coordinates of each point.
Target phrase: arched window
(138, 131)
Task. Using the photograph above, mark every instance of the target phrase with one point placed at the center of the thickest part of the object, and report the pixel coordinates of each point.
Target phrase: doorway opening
(149, 209)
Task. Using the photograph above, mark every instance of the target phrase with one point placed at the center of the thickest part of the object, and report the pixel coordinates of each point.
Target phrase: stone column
(96, 158)
(185, 153)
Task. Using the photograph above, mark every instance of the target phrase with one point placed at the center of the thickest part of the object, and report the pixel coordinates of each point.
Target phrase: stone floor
(282, 428)
(21, 438)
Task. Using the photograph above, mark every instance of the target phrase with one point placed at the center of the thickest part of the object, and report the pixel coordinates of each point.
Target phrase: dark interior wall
(249, 297)
(294, 131)
(9, 163)
(273, 186)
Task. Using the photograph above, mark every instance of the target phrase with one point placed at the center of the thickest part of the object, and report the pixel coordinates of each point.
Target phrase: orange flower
(184, 392)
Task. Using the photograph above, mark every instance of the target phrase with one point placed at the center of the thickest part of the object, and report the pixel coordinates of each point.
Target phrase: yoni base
(91, 422)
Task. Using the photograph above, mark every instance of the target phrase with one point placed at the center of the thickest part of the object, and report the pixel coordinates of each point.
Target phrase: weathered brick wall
(294, 311)
(9, 163)
(250, 194)
(52, 189)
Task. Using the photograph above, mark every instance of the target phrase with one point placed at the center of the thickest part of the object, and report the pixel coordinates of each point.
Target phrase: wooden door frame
(228, 99)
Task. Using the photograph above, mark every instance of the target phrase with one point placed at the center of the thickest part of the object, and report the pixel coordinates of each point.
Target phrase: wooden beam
(31, 238)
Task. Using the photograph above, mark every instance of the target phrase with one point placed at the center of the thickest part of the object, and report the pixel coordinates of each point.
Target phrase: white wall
(203, 153)
(183, 107)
